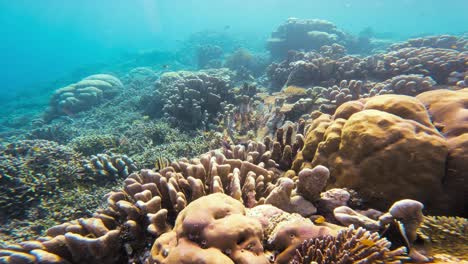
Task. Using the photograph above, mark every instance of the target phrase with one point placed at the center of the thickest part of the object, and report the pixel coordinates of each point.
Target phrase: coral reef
(434, 62)
(293, 155)
(191, 99)
(388, 148)
(440, 42)
(92, 144)
(297, 34)
(32, 169)
(312, 68)
(412, 84)
(349, 246)
(83, 95)
(209, 56)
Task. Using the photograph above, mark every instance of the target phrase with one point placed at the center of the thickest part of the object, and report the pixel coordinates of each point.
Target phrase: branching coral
(446, 235)
(31, 169)
(92, 144)
(191, 99)
(350, 246)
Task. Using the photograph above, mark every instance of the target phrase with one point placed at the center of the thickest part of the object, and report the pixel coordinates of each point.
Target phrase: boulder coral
(83, 95)
(306, 34)
(215, 226)
(392, 147)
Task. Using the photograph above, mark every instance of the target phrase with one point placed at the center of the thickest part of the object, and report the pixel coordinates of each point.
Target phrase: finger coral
(445, 235)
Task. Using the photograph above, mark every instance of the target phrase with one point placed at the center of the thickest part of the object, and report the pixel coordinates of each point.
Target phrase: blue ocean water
(45, 40)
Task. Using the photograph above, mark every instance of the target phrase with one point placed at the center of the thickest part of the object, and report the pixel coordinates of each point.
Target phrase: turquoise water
(43, 41)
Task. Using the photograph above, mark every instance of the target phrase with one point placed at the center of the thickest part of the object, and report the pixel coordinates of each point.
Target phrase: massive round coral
(388, 148)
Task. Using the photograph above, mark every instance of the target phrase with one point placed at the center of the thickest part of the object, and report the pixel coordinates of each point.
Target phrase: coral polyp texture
(83, 95)
(392, 147)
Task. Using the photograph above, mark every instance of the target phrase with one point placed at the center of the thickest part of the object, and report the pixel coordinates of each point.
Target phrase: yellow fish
(320, 220)
(36, 149)
(161, 163)
(367, 242)
(453, 47)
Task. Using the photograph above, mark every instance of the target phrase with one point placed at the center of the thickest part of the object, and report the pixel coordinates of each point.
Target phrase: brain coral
(392, 147)
(83, 95)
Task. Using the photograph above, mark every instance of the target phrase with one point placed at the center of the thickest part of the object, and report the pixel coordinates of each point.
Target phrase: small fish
(367, 242)
(36, 149)
(320, 220)
(161, 163)
(165, 66)
(454, 47)
(227, 27)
